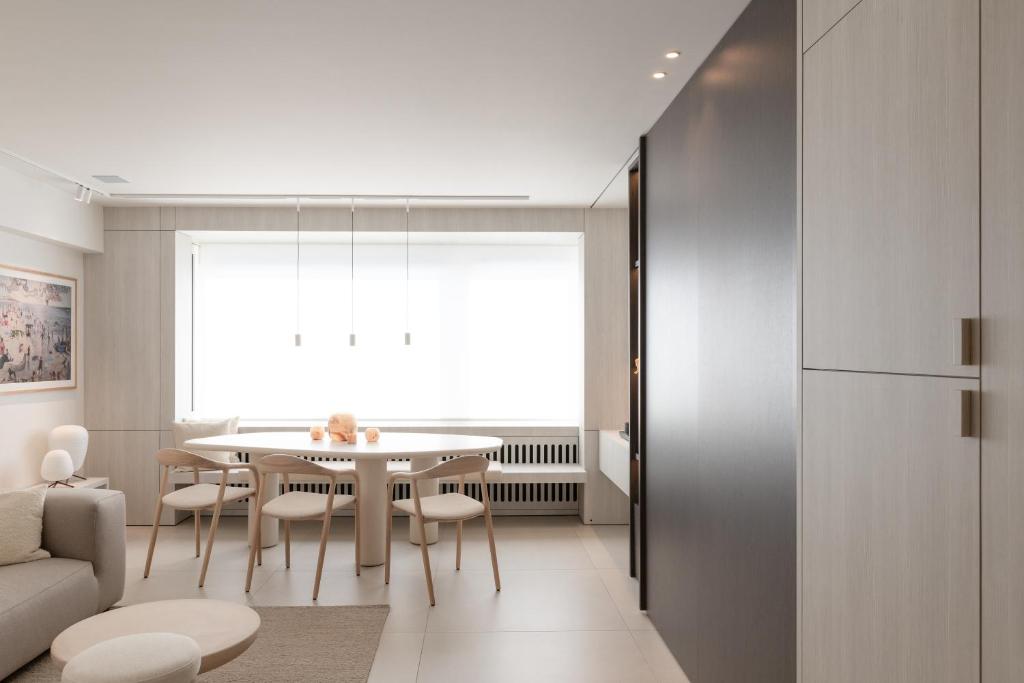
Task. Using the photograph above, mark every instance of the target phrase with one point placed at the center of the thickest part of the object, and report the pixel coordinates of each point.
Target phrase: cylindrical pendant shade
(57, 466)
(71, 438)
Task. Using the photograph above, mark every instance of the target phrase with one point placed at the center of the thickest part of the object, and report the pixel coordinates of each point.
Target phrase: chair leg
(197, 514)
(426, 560)
(355, 520)
(387, 547)
(209, 541)
(256, 542)
(324, 533)
(494, 552)
(254, 550)
(458, 545)
(152, 537)
(287, 544)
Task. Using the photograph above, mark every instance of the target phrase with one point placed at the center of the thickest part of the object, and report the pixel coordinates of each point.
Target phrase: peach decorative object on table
(342, 427)
(372, 435)
(316, 432)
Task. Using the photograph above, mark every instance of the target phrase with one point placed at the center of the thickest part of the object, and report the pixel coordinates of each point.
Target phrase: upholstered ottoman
(148, 657)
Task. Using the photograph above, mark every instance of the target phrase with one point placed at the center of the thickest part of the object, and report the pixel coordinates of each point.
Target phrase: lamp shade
(57, 466)
(71, 438)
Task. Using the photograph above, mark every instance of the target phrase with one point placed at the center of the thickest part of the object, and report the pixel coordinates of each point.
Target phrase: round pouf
(149, 657)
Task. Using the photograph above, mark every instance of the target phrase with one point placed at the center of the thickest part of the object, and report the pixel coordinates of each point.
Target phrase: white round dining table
(422, 450)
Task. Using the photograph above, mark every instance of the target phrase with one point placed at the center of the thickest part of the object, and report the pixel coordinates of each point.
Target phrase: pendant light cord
(407, 331)
(298, 211)
(352, 275)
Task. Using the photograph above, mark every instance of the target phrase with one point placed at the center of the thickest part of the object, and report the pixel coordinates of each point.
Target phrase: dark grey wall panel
(720, 357)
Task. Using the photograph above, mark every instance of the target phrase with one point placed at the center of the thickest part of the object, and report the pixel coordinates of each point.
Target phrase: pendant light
(298, 211)
(352, 274)
(408, 334)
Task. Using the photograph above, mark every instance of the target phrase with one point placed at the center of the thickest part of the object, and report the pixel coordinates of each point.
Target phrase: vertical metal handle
(965, 417)
(963, 341)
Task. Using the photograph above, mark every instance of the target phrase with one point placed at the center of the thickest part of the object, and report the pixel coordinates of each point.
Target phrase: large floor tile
(220, 585)
(570, 656)
(528, 601)
(398, 658)
(406, 594)
(658, 657)
(625, 593)
(539, 547)
(607, 544)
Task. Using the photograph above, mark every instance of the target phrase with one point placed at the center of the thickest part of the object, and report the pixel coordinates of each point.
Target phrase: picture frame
(38, 331)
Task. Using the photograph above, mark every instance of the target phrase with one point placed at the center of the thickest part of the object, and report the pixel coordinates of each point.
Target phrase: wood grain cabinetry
(122, 326)
(890, 530)
(1002, 351)
(821, 15)
(126, 457)
(891, 188)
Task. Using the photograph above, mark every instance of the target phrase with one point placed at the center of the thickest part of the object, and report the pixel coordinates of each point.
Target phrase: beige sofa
(84, 531)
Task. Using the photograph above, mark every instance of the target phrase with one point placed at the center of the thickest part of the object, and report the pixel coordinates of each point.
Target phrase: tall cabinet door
(891, 190)
(890, 530)
(1002, 372)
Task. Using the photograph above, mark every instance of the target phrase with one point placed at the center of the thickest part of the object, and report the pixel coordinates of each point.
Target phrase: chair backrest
(175, 457)
(279, 463)
(460, 466)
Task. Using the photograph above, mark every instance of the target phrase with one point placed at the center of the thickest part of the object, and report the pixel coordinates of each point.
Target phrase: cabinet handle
(963, 341)
(965, 418)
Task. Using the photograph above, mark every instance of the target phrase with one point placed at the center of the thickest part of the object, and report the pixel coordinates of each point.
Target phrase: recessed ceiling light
(672, 54)
(110, 179)
(659, 75)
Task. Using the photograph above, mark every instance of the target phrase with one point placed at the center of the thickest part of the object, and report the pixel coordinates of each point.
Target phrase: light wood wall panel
(339, 218)
(234, 218)
(891, 192)
(497, 220)
(605, 251)
(126, 457)
(1002, 370)
(131, 218)
(890, 530)
(820, 15)
(606, 319)
(123, 326)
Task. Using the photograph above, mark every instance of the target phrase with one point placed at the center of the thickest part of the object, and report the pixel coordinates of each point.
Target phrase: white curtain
(496, 330)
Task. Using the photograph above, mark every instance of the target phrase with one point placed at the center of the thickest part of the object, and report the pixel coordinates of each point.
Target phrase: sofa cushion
(38, 600)
(21, 526)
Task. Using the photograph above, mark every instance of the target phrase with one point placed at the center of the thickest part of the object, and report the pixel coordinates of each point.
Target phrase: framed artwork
(38, 331)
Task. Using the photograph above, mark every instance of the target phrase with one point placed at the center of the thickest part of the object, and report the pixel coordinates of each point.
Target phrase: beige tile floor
(566, 612)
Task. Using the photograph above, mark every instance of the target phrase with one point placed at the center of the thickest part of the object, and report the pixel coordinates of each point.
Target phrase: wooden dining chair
(445, 507)
(196, 497)
(295, 506)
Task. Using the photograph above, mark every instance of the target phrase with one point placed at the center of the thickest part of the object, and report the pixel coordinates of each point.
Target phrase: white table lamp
(57, 468)
(75, 440)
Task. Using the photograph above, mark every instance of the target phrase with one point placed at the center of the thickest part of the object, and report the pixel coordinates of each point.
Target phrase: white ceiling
(500, 97)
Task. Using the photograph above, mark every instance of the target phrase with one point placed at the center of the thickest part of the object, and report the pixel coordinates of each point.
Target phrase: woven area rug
(294, 644)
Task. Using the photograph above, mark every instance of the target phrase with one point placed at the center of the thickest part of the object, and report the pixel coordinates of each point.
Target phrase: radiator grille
(505, 498)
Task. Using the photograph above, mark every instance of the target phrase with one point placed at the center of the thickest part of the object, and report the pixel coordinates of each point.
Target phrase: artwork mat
(48, 385)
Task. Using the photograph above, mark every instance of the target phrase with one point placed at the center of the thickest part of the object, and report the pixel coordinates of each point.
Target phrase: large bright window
(495, 322)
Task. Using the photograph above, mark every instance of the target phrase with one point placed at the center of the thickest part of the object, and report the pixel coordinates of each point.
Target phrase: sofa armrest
(89, 524)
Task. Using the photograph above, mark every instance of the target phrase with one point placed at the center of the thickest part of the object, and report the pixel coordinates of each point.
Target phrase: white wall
(26, 418)
(29, 206)
(42, 227)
